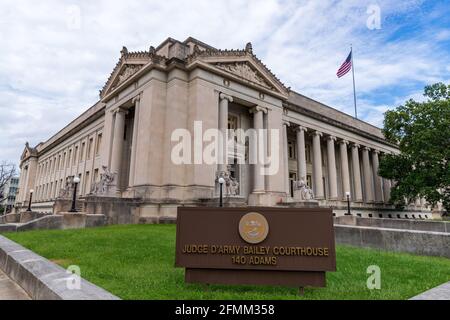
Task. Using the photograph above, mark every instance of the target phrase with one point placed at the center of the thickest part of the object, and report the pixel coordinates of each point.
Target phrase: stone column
(258, 125)
(356, 174)
(136, 102)
(386, 190)
(368, 186)
(117, 147)
(345, 170)
(286, 124)
(301, 154)
(376, 178)
(332, 175)
(223, 127)
(317, 166)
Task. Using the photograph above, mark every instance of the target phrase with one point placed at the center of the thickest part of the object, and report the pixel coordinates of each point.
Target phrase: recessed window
(291, 150)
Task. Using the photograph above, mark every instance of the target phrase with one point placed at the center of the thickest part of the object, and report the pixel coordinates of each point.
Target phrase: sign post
(256, 246)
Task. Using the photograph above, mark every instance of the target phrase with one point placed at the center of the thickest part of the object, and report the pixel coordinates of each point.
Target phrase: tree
(7, 171)
(422, 132)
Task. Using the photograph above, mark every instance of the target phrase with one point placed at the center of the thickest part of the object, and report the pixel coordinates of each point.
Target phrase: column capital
(224, 96)
(365, 148)
(258, 109)
(317, 133)
(136, 99)
(375, 151)
(119, 110)
(301, 128)
(343, 141)
(356, 145)
(286, 123)
(331, 138)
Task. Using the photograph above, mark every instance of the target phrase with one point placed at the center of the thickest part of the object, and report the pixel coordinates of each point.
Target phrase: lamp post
(31, 198)
(76, 181)
(347, 194)
(221, 182)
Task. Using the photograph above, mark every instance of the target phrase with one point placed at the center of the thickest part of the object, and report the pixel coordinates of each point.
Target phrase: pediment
(243, 66)
(27, 152)
(244, 70)
(126, 72)
(130, 64)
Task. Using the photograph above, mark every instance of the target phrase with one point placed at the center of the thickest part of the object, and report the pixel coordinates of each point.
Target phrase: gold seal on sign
(253, 228)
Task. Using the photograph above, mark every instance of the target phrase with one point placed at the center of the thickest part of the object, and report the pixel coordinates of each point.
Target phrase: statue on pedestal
(106, 181)
(303, 191)
(231, 184)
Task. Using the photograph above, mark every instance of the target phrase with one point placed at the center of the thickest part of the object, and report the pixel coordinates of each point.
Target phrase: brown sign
(270, 246)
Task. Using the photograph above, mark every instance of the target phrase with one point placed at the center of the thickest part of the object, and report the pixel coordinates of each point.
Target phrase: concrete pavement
(9, 290)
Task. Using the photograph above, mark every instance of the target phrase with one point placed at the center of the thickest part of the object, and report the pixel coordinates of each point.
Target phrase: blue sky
(57, 54)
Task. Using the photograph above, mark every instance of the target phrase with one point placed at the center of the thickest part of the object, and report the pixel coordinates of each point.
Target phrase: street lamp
(31, 198)
(221, 182)
(76, 181)
(347, 194)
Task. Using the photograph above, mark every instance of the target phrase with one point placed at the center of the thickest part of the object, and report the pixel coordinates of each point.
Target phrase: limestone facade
(126, 138)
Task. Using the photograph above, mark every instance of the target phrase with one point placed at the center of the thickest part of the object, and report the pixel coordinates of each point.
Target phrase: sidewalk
(9, 290)
(441, 292)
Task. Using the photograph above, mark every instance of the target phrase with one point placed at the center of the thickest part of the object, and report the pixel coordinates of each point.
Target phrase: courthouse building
(121, 147)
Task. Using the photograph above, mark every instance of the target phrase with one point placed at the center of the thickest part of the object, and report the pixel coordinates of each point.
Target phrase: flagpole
(354, 90)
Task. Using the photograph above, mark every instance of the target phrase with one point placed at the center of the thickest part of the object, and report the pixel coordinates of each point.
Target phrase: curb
(43, 279)
(441, 292)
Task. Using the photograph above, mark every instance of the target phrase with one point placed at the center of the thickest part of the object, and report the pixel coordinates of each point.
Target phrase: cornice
(333, 122)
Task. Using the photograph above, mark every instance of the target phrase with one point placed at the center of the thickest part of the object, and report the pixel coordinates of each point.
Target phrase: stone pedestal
(306, 204)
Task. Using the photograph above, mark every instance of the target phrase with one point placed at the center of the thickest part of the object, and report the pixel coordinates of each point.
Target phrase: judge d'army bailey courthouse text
(121, 148)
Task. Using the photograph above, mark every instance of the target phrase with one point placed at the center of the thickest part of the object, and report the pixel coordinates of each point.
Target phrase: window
(95, 176)
(232, 123)
(69, 159)
(87, 185)
(89, 150)
(309, 181)
(292, 178)
(291, 150)
(83, 145)
(308, 153)
(99, 145)
(75, 156)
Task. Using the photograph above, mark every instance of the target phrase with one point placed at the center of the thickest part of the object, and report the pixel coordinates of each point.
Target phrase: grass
(137, 262)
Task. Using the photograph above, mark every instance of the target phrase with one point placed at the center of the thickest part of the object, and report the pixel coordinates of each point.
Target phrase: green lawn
(137, 262)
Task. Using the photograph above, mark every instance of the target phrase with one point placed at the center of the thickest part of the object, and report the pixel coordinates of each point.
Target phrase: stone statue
(66, 192)
(231, 184)
(306, 192)
(106, 180)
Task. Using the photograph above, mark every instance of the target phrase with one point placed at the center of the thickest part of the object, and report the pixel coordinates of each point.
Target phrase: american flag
(346, 66)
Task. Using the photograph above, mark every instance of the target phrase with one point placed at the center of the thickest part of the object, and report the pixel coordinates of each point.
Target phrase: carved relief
(243, 70)
(129, 71)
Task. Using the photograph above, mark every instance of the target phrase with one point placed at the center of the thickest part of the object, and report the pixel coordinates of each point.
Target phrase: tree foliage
(422, 132)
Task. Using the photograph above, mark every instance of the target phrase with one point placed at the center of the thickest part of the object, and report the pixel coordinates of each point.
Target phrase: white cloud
(53, 60)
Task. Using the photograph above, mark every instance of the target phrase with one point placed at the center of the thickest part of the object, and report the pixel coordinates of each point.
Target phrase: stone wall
(416, 242)
(58, 221)
(403, 224)
(116, 210)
